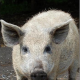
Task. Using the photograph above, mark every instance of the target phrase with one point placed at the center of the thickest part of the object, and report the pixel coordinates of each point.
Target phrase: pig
(46, 47)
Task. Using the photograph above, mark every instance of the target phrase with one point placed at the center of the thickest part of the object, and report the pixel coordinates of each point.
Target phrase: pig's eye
(25, 49)
(47, 49)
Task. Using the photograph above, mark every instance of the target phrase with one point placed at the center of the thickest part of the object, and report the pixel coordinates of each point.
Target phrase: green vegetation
(13, 8)
(7, 1)
(57, 1)
(17, 6)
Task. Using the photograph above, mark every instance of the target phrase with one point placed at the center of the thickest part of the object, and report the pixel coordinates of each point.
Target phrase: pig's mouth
(38, 75)
(24, 78)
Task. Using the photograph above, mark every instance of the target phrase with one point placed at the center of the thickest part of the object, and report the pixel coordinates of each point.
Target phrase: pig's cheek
(47, 66)
(25, 67)
(30, 66)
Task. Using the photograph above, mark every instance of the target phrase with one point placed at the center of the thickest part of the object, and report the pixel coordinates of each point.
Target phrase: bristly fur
(53, 28)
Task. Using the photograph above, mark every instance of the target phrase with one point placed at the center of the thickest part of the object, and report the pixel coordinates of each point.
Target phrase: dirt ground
(6, 70)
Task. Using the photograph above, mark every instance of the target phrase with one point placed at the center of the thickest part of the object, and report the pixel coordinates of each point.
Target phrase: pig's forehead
(36, 38)
(47, 20)
(38, 28)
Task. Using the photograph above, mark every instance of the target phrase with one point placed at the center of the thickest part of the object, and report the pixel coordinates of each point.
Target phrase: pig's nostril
(40, 75)
(24, 78)
(33, 76)
(43, 75)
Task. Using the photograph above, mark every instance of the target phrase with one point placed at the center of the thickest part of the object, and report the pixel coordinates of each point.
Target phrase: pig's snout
(39, 75)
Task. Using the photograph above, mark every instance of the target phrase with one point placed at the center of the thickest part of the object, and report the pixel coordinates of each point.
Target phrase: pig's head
(39, 47)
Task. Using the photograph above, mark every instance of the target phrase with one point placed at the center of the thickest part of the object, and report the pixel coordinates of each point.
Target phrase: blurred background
(18, 12)
(10, 10)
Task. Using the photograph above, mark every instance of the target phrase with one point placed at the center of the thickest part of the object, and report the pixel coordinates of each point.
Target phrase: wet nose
(39, 75)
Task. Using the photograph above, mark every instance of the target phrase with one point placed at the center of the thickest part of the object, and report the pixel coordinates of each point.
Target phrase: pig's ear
(11, 33)
(61, 31)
